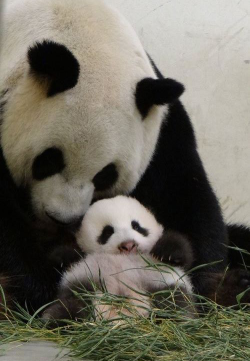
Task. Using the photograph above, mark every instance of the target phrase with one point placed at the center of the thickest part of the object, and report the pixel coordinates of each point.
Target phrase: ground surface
(37, 351)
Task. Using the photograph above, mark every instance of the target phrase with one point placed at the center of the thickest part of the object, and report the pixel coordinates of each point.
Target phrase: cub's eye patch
(49, 163)
(106, 234)
(106, 178)
(137, 227)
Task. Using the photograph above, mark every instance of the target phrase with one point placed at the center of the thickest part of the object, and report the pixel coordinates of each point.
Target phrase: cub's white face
(89, 139)
(118, 225)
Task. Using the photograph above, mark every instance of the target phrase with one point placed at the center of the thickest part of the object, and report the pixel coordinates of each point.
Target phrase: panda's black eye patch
(49, 163)
(106, 234)
(106, 178)
(137, 227)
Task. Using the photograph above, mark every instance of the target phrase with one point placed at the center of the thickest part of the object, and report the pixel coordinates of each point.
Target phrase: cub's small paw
(64, 256)
(70, 308)
(173, 248)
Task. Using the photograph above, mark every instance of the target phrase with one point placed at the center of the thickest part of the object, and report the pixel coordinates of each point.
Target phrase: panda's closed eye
(137, 227)
(48, 163)
(106, 178)
(106, 234)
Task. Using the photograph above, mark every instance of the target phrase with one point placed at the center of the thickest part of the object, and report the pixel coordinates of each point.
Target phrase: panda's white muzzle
(62, 202)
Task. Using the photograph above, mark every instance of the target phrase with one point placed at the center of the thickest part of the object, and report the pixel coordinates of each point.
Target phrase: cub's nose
(128, 247)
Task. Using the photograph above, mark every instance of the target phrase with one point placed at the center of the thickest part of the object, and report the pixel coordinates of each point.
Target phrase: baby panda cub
(119, 235)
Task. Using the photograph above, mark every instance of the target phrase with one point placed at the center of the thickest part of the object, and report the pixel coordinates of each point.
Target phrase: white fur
(130, 270)
(96, 122)
(122, 274)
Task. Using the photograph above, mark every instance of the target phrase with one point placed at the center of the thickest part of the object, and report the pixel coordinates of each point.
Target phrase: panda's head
(118, 225)
(81, 106)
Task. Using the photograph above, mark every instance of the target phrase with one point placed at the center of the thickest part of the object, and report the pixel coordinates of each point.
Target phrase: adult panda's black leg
(223, 288)
(239, 237)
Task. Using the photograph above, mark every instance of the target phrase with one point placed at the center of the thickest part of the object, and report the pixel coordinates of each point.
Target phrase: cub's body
(119, 236)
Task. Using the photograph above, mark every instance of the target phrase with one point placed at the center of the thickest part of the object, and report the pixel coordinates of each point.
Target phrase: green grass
(166, 335)
(221, 334)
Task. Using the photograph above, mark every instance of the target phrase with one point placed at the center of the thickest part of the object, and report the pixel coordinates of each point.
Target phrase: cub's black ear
(56, 64)
(151, 92)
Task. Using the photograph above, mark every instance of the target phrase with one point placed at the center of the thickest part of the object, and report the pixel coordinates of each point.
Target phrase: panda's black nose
(74, 222)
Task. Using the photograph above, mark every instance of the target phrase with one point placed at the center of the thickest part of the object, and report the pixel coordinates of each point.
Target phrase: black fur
(175, 298)
(224, 287)
(71, 306)
(49, 163)
(56, 64)
(151, 92)
(175, 249)
(239, 237)
(106, 178)
(105, 235)
(67, 308)
(138, 228)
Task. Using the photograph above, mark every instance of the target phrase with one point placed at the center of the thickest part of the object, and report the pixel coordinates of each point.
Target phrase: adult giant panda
(85, 114)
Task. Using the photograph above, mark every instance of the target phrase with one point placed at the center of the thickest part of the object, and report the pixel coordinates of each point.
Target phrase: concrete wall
(1, 4)
(206, 45)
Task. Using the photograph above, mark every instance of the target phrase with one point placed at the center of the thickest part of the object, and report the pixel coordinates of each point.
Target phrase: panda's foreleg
(174, 249)
(74, 301)
(69, 308)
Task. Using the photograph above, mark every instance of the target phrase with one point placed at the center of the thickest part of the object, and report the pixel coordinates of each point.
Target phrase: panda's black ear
(56, 64)
(151, 92)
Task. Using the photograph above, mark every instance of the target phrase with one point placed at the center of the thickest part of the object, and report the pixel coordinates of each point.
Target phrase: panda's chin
(62, 203)
(46, 225)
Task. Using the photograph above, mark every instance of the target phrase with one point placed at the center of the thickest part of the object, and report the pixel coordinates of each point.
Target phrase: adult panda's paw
(235, 288)
(229, 289)
(173, 248)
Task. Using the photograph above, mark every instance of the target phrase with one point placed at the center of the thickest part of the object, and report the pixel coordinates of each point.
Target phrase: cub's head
(80, 104)
(118, 225)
